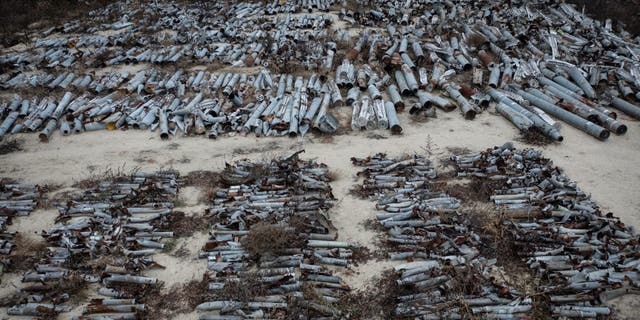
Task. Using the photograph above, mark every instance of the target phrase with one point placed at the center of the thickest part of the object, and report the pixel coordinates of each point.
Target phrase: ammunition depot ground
(442, 221)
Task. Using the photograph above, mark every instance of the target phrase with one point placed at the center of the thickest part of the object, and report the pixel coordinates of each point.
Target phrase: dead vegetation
(27, 253)
(265, 239)
(206, 181)
(476, 189)
(244, 289)
(534, 137)
(363, 255)
(376, 301)
(271, 146)
(11, 146)
(45, 201)
(229, 178)
(95, 177)
(180, 298)
(185, 226)
(183, 298)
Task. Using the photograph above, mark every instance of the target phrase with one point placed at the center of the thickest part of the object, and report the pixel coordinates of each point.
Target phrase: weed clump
(265, 239)
(10, 146)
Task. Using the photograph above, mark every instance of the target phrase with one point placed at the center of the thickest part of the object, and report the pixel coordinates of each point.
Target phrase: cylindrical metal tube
(402, 83)
(566, 116)
(626, 107)
(8, 122)
(581, 81)
(423, 97)
(465, 107)
(352, 95)
(374, 92)
(164, 125)
(544, 127)
(494, 76)
(355, 112)
(519, 120)
(615, 126)
(48, 130)
(394, 123)
(412, 83)
(381, 114)
(395, 97)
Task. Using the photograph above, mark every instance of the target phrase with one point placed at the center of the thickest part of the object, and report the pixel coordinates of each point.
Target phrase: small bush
(267, 238)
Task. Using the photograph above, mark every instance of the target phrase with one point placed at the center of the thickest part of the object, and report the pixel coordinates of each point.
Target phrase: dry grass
(244, 289)
(475, 190)
(27, 253)
(534, 137)
(180, 298)
(10, 146)
(185, 226)
(364, 254)
(95, 177)
(264, 239)
(256, 171)
(207, 181)
(376, 301)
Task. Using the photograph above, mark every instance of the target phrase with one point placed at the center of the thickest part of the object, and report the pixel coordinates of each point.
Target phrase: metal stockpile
(201, 101)
(536, 60)
(15, 200)
(166, 33)
(288, 196)
(424, 228)
(292, 106)
(586, 255)
(369, 109)
(119, 222)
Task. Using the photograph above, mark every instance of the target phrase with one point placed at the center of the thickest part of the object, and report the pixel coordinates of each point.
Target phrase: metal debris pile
(446, 276)
(15, 200)
(263, 205)
(536, 61)
(586, 256)
(301, 105)
(192, 100)
(166, 32)
(107, 234)
(551, 61)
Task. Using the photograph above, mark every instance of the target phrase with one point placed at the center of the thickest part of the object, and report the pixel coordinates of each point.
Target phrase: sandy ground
(608, 170)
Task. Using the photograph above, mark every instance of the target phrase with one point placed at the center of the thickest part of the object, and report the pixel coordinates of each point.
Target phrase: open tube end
(621, 129)
(43, 138)
(470, 115)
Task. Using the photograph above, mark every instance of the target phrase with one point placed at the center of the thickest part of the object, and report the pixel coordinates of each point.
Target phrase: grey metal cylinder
(566, 116)
(544, 127)
(582, 82)
(626, 107)
(518, 119)
(395, 97)
(8, 122)
(394, 123)
(48, 130)
(402, 83)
